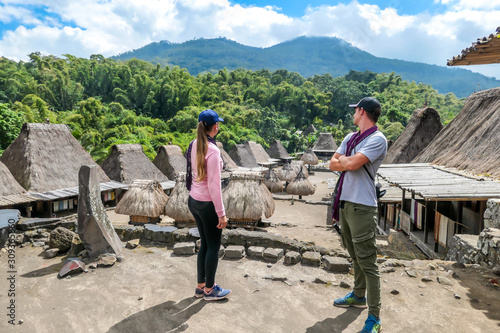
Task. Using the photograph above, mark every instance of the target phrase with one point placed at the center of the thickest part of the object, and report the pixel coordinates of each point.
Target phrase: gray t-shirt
(358, 187)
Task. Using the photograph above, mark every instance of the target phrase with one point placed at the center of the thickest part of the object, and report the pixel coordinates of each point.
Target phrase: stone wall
(492, 214)
(472, 249)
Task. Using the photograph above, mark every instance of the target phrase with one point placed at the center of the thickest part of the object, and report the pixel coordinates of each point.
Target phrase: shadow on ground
(337, 324)
(169, 317)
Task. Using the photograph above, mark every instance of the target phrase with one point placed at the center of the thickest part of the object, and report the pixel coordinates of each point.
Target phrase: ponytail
(201, 149)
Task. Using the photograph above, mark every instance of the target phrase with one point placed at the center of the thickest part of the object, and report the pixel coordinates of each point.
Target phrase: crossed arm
(347, 163)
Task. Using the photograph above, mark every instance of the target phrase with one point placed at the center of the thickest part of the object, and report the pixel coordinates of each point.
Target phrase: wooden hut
(229, 164)
(469, 142)
(47, 157)
(127, 163)
(144, 202)
(309, 130)
(177, 205)
(423, 126)
(325, 146)
(170, 160)
(246, 199)
(276, 150)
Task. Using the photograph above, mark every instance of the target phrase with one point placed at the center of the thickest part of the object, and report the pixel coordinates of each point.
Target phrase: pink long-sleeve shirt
(208, 189)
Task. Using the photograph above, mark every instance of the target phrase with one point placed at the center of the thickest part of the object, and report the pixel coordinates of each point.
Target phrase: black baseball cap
(369, 104)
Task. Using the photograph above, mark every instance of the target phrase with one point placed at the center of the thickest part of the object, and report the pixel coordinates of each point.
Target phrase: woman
(203, 181)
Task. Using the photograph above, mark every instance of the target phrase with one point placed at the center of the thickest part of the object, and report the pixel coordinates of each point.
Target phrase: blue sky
(429, 31)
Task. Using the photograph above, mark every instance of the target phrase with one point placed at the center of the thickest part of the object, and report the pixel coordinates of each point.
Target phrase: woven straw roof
(286, 173)
(272, 182)
(243, 157)
(246, 197)
(301, 185)
(177, 205)
(485, 50)
(470, 141)
(229, 164)
(325, 143)
(309, 130)
(8, 184)
(127, 162)
(309, 157)
(423, 126)
(276, 150)
(258, 151)
(143, 198)
(170, 160)
(47, 157)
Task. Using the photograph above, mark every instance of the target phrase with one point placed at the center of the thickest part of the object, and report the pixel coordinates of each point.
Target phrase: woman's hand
(222, 222)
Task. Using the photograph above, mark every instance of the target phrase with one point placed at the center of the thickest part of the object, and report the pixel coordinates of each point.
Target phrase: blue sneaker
(216, 294)
(350, 300)
(372, 325)
(198, 292)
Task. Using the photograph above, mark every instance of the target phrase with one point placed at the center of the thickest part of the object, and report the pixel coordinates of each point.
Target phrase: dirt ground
(152, 291)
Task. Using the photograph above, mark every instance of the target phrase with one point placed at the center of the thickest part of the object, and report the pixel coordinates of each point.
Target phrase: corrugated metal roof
(485, 50)
(73, 191)
(434, 183)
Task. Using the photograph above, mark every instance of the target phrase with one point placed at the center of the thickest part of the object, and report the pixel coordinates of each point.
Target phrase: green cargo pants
(359, 225)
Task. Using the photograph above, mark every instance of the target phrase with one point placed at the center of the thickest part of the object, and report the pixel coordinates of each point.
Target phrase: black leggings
(208, 257)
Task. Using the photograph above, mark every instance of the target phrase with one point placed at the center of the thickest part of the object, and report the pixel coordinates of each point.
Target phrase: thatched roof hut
(287, 173)
(325, 144)
(46, 157)
(258, 152)
(8, 184)
(229, 164)
(300, 186)
(246, 198)
(127, 162)
(276, 150)
(249, 155)
(309, 130)
(170, 160)
(299, 166)
(144, 201)
(423, 126)
(470, 140)
(272, 182)
(309, 157)
(177, 205)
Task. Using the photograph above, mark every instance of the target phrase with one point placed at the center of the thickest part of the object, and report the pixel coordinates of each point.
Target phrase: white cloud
(112, 27)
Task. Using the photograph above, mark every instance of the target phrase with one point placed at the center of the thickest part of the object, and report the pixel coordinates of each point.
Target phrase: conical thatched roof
(325, 143)
(243, 157)
(143, 198)
(258, 151)
(272, 182)
(423, 126)
(309, 130)
(299, 166)
(228, 161)
(47, 157)
(309, 157)
(177, 205)
(246, 197)
(300, 186)
(286, 173)
(276, 150)
(127, 162)
(170, 160)
(470, 141)
(8, 184)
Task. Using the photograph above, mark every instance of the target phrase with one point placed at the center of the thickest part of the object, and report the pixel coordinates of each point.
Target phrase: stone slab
(184, 248)
(336, 264)
(234, 252)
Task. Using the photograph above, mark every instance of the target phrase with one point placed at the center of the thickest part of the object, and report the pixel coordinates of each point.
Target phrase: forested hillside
(105, 102)
(307, 56)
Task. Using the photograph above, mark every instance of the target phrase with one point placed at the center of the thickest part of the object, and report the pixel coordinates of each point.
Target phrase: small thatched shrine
(287, 173)
(46, 157)
(127, 163)
(423, 126)
(470, 140)
(272, 182)
(144, 202)
(246, 199)
(309, 157)
(276, 150)
(170, 160)
(309, 130)
(249, 155)
(177, 205)
(325, 146)
(298, 166)
(228, 161)
(300, 186)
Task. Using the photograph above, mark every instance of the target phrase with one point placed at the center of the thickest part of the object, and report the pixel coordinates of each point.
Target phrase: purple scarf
(189, 174)
(353, 142)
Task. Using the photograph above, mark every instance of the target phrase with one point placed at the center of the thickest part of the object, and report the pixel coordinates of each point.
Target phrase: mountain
(307, 56)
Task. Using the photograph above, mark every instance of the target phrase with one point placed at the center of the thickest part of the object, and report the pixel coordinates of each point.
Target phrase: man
(355, 208)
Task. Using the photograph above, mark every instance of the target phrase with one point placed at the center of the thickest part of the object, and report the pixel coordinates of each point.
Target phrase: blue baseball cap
(209, 117)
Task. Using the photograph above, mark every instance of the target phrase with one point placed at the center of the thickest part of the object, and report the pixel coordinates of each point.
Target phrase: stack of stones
(472, 249)
(492, 214)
